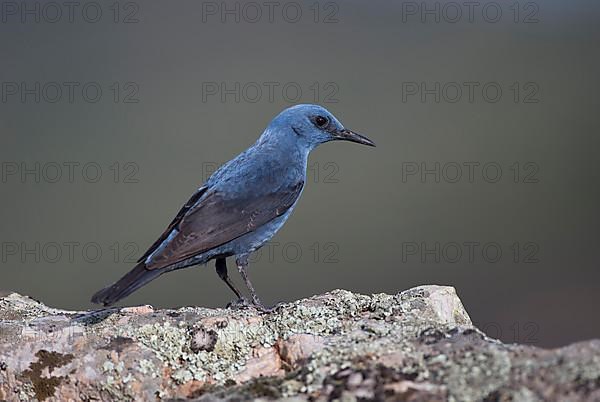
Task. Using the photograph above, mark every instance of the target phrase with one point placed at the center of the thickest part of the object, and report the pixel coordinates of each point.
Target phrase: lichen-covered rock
(418, 345)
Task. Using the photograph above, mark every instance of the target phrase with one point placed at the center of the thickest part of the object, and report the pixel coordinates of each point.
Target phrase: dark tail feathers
(132, 281)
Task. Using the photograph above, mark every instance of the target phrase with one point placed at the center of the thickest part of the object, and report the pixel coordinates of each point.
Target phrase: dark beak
(348, 135)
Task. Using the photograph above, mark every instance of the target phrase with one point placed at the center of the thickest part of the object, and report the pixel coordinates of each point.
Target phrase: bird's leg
(242, 264)
(221, 267)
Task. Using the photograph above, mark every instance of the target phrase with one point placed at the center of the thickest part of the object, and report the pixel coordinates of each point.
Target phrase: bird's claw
(264, 309)
(243, 303)
(239, 304)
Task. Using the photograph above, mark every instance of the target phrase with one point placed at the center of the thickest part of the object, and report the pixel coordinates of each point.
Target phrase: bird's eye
(321, 121)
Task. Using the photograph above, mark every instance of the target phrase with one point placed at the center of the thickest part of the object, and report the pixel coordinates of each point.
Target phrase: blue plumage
(242, 205)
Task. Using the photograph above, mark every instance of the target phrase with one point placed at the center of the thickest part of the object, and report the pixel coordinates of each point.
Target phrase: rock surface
(418, 345)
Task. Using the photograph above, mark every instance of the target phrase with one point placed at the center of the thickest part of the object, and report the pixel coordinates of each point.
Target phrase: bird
(240, 206)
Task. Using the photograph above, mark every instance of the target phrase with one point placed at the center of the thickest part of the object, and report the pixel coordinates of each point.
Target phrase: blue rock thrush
(241, 206)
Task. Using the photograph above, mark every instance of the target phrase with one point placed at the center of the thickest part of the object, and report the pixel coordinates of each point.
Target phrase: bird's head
(312, 125)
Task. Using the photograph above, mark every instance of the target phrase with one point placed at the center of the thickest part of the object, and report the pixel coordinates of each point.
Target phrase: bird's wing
(211, 219)
(186, 207)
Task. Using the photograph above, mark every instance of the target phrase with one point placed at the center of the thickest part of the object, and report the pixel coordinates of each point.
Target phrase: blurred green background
(113, 113)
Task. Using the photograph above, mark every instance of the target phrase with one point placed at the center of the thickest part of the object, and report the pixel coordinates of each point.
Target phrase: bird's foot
(239, 304)
(264, 309)
(243, 303)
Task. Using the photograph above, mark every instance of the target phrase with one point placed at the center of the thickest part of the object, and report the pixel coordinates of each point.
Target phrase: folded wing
(210, 219)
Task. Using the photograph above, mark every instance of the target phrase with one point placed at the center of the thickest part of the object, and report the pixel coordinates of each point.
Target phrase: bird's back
(264, 168)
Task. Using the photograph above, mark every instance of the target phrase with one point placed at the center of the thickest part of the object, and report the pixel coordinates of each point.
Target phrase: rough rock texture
(418, 345)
